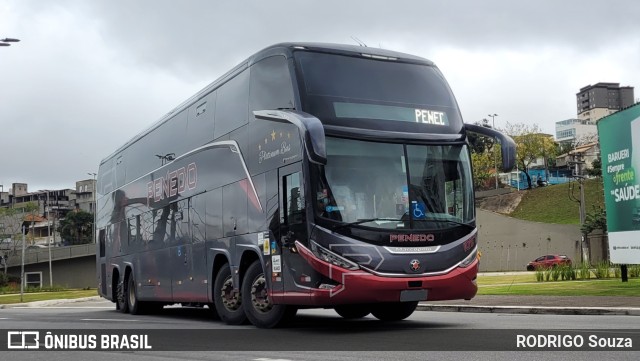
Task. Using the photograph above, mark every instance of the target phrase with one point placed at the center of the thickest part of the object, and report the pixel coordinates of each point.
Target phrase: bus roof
(286, 49)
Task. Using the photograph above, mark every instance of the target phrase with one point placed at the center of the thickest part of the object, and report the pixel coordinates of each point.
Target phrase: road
(322, 329)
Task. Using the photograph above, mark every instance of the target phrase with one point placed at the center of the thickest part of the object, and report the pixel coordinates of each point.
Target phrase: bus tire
(257, 303)
(228, 304)
(353, 311)
(135, 306)
(394, 311)
(121, 297)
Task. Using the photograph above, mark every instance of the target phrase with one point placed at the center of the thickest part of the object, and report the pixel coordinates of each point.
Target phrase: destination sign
(390, 112)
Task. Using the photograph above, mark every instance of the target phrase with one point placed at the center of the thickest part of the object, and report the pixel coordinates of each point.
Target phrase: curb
(539, 310)
(50, 302)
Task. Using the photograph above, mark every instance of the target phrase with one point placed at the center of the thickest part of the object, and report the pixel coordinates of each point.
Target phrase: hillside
(552, 204)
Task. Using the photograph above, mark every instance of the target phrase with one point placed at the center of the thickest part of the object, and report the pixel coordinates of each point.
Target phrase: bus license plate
(413, 295)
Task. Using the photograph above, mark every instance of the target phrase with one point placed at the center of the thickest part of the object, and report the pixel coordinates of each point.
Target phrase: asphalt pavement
(561, 305)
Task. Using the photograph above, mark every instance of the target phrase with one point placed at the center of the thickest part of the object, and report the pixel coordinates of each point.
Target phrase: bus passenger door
(181, 251)
(295, 272)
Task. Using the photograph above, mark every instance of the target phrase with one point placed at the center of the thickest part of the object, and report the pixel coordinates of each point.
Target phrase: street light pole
(47, 209)
(93, 191)
(495, 156)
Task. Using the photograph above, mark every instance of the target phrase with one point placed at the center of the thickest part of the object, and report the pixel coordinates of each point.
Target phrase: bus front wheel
(227, 300)
(257, 304)
(394, 311)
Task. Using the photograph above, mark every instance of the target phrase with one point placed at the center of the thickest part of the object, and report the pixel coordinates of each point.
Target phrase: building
(599, 100)
(85, 195)
(579, 159)
(575, 131)
(53, 205)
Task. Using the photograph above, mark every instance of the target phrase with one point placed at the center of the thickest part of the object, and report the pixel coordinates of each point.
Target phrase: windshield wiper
(448, 221)
(360, 221)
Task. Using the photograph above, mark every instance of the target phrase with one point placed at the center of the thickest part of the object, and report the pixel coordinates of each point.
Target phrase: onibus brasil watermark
(34, 340)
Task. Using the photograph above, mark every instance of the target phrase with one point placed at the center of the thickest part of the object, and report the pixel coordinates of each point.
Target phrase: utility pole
(495, 156)
(584, 242)
(22, 280)
(49, 244)
(95, 211)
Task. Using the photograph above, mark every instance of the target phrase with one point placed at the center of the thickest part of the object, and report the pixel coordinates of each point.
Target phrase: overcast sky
(89, 75)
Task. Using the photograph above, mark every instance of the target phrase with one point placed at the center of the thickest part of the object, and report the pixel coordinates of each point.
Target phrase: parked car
(548, 261)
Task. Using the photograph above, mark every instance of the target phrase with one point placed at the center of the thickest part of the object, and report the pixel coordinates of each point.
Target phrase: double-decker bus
(310, 175)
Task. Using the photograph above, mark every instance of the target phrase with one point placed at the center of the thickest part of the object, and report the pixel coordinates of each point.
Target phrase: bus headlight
(467, 261)
(332, 258)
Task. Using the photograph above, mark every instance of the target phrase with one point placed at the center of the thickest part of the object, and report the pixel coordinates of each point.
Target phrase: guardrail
(57, 253)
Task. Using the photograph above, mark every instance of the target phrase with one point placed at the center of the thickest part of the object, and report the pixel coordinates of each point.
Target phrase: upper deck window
(339, 87)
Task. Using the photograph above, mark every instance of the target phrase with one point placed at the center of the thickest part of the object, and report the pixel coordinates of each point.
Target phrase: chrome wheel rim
(230, 298)
(260, 295)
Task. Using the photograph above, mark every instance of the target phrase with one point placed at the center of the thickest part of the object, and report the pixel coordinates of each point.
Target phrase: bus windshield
(395, 186)
(343, 89)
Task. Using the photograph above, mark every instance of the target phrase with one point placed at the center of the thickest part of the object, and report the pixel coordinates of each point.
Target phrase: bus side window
(294, 202)
(232, 104)
(271, 86)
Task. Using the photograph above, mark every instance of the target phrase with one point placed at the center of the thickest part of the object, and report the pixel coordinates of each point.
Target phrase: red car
(548, 261)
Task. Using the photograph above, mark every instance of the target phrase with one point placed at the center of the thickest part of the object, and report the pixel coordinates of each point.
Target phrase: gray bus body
(341, 171)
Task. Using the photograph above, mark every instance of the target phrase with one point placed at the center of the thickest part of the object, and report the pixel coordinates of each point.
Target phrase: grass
(552, 204)
(44, 296)
(505, 279)
(592, 287)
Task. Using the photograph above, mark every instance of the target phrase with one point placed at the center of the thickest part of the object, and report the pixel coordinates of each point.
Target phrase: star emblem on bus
(415, 265)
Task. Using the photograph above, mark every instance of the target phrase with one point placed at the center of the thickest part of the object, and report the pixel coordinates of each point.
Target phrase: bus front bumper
(360, 286)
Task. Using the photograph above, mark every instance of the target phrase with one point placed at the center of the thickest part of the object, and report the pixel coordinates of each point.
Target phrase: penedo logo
(31, 340)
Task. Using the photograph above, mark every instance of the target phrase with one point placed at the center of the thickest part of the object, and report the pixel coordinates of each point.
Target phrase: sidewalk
(560, 305)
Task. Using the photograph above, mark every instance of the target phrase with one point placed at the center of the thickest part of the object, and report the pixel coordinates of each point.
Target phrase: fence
(57, 253)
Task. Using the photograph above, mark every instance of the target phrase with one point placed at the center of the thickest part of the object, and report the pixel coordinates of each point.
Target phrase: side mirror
(507, 145)
(310, 127)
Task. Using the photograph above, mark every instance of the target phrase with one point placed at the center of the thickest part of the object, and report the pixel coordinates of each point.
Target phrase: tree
(480, 143)
(595, 220)
(596, 167)
(531, 145)
(12, 219)
(482, 165)
(76, 227)
(485, 156)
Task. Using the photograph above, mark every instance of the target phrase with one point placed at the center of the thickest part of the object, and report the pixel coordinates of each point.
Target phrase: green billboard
(619, 136)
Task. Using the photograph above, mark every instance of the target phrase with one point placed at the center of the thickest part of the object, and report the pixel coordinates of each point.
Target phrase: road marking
(108, 319)
(4, 318)
(270, 359)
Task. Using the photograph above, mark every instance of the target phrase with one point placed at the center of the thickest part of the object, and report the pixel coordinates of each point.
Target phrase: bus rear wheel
(135, 307)
(228, 302)
(121, 297)
(353, 311)
(394, 311)
(258, 305)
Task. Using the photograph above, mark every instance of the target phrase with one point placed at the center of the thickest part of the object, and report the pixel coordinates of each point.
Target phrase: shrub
(567, 272)
(617, 272)
(602, 269)
(556, 272)
(539, 274)
(583, 271)
(634, 270)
